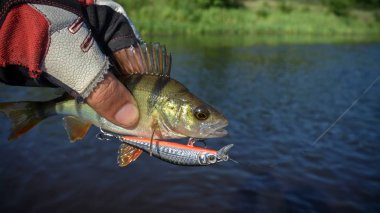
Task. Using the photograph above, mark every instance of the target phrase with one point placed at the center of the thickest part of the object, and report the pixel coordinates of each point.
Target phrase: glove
(67, 45)
(118, 8)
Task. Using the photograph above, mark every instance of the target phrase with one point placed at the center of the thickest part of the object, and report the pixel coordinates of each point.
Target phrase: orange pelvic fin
(76, 129)
(127, 154)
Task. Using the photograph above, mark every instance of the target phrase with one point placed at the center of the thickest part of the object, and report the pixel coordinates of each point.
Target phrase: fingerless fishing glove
(63, 42)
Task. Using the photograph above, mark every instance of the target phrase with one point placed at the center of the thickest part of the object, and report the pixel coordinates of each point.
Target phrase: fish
(174, 153)
(168, 110)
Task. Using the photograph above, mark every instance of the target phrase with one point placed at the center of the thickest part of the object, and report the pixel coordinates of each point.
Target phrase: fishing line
(339, 117)
(235, 161)
(330, 126)
(346, 111)
(103, 135)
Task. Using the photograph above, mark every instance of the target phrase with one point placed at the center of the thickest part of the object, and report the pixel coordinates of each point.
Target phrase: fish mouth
(215, 130)
(219, 133)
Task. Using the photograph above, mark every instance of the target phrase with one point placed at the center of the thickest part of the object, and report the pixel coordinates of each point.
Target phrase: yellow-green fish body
(167, 109)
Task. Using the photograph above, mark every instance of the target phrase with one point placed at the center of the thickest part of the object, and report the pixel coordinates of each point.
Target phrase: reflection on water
(278, 98)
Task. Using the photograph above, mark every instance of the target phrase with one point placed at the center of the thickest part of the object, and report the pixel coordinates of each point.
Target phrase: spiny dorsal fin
(144, 59)
(127, 154)
(155, 59)
(76, 129)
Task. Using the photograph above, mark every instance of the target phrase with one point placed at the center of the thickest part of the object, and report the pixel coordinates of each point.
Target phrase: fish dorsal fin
(144, 59)
(155, 59)
(127, 154)
(76, 129)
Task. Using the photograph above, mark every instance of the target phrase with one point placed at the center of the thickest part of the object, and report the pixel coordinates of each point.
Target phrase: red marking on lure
(148, 141)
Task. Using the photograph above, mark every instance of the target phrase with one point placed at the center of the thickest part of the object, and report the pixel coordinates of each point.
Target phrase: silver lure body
(178, 154)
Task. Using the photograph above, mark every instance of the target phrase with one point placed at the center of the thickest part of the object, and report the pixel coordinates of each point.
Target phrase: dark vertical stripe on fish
(135, 79)
(156, 91)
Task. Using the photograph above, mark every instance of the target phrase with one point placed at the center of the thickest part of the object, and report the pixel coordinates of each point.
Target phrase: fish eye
(201, 113)
(211, 158)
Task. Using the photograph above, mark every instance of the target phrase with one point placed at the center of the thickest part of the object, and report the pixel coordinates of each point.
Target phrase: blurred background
(280, 71)
(243, 17)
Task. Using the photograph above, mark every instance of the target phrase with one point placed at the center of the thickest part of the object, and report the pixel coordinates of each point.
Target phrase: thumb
(114, 102)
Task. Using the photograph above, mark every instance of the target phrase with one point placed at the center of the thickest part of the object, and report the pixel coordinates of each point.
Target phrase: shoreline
(262, 39)
(257, 18)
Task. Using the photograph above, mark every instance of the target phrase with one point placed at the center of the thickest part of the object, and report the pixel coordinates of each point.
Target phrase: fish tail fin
(23, 116)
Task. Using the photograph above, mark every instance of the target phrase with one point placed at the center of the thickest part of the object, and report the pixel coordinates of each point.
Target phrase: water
(279, 98)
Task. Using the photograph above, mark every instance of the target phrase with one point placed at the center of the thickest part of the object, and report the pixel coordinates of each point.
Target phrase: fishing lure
(174, 153)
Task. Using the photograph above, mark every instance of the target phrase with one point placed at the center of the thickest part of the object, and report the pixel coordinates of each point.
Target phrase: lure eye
(201, 113)
(211, 159)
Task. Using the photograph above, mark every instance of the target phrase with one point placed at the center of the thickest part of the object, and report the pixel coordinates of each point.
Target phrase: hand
(114, 102)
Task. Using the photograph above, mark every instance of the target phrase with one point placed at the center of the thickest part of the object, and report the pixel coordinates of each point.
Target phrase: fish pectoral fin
(127, 154)
(76, 129)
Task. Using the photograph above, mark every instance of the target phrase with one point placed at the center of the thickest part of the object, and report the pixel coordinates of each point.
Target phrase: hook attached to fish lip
(192, 141)
(222, 154)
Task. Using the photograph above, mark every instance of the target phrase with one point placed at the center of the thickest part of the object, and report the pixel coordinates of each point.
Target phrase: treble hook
(104, 136)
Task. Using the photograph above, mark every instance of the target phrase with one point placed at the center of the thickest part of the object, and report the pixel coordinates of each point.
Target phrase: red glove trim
(86, 2)
(24, 38)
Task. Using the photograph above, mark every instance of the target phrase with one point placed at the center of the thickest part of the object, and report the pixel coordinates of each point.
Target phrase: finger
(114, 102)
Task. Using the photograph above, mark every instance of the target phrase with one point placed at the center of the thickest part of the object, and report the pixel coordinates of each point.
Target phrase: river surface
(278, 98)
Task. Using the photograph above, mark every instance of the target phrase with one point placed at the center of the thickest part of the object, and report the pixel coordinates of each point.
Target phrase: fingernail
(127, 115)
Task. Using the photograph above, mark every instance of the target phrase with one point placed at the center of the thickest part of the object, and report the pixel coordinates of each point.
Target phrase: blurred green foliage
(365, 4)
(343, 7)
(335, 5)
(197, 17)
(213, 3)
(285, 6)
(186, 4)
(340, 7)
